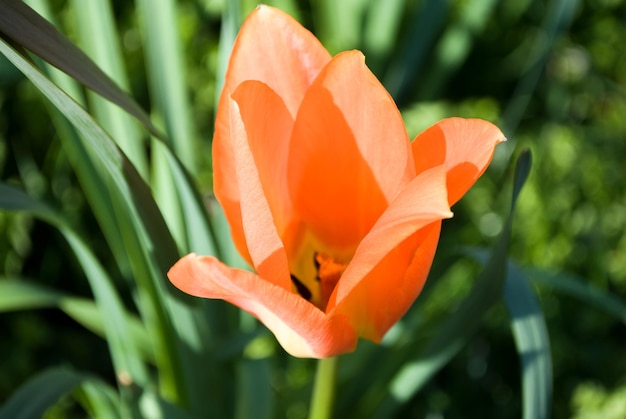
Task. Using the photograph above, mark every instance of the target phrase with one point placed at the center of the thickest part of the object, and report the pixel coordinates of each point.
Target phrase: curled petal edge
(422, 202)
(388, 290)
(301, 328)
(464, 145)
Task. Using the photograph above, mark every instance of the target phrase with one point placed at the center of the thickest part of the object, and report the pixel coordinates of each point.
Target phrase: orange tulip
(327, 198)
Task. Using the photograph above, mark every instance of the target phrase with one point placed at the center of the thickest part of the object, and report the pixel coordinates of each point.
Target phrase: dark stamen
(317, 266)
(301, 288)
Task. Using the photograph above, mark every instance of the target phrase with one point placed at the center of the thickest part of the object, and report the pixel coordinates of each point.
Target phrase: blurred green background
(550, 73)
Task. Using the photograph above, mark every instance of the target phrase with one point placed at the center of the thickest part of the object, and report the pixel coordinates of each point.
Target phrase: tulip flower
(337, 211)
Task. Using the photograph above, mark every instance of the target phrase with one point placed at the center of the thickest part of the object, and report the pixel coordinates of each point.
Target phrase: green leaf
(532, 342)
(340, 23)
(198, 231)
(166, 79)
(382, 25)
(408, 64)
(255, 399)
(99, 37)
(26, 28)
(454, 45)
(227, 251)
(148, 243)
(34, 397)
(228, 33)
(19, 294)
(124, 352)
(100, 400)
(576, 287)
(152, 406)
(558, 17)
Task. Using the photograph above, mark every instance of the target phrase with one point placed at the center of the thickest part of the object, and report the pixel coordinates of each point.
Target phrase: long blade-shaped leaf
(255, 396)
(37, 395)
(99, 37)
(228, 33)
(576, 287)
(558, 17)
(21, 294)
(166, 76)
(25, 27)
(100, 400)
(148, 243)
(198, 229)
(532, 342)
(411, 58)
(124, 351)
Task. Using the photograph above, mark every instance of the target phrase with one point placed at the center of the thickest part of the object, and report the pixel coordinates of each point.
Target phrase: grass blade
(558, 17)
(148, 245)
(167, 77)
(123, 349)
(228, 33)
(427, 22)
(195, 218)
(25, 27)
(98, 36)
(255, 396)
(100, 400)
(33, 398)
(20, 294)
(578, 288)
(532, 342)
(147, 241)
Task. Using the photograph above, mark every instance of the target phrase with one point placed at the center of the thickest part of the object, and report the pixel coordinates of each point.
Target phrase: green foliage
(97, 205)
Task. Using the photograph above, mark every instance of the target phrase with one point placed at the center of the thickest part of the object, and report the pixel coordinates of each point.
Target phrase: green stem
(324, 389)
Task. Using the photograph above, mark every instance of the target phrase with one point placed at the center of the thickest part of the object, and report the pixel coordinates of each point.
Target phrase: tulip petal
(349, 155)
(301, 328)
(268, 127)
(243, 196)
(392, 262)
(465, 146)
(274, 48)
(387, 291)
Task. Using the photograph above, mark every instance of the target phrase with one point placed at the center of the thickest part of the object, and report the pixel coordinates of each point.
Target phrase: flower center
(327, 270)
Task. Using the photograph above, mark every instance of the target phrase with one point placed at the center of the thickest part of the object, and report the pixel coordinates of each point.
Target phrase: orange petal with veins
(302, 329)
(350, 154)
(465, 146)
(390, 265)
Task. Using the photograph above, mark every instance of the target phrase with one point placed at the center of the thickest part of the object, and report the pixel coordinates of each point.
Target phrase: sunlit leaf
(98, 36)
(532, 342)
(150, 247)
(25, 27)
(152, 406)
(100, 400)
(166, 76)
